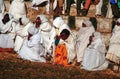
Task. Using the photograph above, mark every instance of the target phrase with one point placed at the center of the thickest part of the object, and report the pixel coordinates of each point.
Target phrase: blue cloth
(113, 2)
(57, 41)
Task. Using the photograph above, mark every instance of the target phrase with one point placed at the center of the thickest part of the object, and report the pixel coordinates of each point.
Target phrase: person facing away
(7, 31)
(113, 53)
(21, 32)
(33, 47)
(60, 53)
(60, 24)
(94, 54)
(82, 39)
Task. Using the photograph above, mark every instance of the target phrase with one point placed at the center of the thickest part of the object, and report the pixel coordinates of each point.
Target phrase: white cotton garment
(94, 55)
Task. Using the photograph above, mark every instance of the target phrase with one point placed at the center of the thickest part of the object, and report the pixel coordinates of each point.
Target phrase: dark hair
(66, 31)
(94, 22)
(55, 16)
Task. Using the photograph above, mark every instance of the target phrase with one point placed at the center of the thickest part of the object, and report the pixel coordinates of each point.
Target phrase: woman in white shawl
(82, 39)
(48, 33)
(60, 24)
(18, 9)
(21, 32)
(113, 53)
(94, 55)
(7, 29)
(33, 47)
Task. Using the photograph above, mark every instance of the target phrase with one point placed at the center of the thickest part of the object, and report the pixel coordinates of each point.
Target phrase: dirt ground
(13, 67)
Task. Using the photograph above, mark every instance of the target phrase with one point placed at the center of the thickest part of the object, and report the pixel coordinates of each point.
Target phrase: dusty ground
(12, 67)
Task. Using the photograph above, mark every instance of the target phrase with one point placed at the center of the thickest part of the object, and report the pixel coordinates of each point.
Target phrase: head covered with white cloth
(60, 24)
(82, 39)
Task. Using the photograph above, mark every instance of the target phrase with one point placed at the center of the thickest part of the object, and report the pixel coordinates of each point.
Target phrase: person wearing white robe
(21, 32)
(82, 39)
(94, 54)
(60, 24)
(18, 9)
(2, 6)
(48, 33)
(113, 53)
(33, 47)
(7, 32)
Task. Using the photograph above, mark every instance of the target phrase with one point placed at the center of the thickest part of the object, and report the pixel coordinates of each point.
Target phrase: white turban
(58, 21)
(33, 30)
(87, 22)
(43, 18)
(24, 20)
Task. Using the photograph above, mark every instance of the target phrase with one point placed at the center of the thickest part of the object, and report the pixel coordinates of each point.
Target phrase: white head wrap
(58, 21)
(32, 30)
(24, 20)
(87, 22)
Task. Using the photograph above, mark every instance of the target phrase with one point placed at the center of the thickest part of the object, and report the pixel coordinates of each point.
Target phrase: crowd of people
(41, 41)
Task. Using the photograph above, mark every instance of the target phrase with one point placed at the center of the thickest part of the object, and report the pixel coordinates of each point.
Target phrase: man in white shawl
(18, 9)
(60, 24)
(113, 53)
(33, 47)
(47, 32)
(82, 39)
(94, 54)
(21, 32)
(7, 30)
(2, 6)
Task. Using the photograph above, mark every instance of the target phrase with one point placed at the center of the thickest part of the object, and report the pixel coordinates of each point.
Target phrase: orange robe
(61, 55)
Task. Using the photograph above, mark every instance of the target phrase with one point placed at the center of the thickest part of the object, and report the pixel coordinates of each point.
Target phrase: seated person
(21, 32)
(60, 53)
(94, 54)
(7, 32)
(33, 48)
